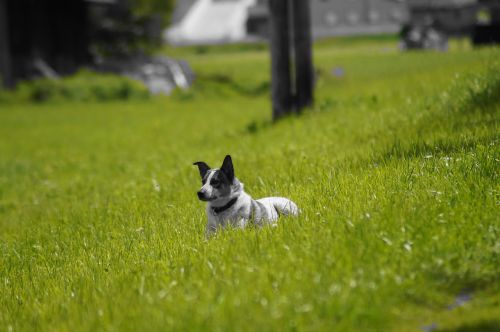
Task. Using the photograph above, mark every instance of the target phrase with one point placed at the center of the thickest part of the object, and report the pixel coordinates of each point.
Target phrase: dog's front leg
(210, 230)
(241, 223)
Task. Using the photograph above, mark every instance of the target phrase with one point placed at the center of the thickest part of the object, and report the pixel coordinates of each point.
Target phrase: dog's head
(216, 183)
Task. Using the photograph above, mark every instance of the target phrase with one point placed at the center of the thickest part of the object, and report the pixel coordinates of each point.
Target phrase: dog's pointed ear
(227, 168)
(202, 167)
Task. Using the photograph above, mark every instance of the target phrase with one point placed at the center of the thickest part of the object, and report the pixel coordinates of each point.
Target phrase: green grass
(395, 170)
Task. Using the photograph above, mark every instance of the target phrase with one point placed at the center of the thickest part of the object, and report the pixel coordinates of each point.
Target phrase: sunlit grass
(395, 170)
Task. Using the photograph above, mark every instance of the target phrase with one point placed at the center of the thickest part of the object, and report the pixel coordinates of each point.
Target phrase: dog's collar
(219, 209)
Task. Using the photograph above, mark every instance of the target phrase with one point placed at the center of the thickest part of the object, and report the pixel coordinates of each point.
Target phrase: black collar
(219, 209)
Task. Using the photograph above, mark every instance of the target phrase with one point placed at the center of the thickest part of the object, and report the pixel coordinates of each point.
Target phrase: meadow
(395, 169)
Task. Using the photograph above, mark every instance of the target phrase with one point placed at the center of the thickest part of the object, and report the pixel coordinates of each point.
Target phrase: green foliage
(82, 86)
(395, 170)
(142, 8)
(476, 92)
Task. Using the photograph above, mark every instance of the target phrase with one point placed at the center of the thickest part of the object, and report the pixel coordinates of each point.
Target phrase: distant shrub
(475, 92)
(85, 85)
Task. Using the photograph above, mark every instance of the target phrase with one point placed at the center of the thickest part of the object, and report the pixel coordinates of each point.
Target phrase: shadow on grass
(481, 326)
(220, 86)
(230, 83)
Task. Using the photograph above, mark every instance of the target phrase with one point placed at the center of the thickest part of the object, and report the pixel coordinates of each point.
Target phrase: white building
(219, 21)
(209, 21)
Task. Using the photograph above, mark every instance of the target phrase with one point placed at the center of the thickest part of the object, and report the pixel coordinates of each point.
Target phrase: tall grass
(395, 170)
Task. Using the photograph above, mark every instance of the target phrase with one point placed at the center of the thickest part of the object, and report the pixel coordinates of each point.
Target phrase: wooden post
(304, 79)
(280, 58)
(5, 63)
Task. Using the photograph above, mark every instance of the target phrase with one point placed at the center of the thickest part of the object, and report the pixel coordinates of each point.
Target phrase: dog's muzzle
(202, 196)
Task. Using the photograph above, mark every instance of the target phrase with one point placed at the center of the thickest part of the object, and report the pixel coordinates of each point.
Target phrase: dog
(228, 204)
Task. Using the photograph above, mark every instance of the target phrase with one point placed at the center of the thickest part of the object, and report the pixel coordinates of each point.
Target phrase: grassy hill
(395, 170)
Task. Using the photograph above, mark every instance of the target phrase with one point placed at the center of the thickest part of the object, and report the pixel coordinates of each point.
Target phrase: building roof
(440, 3)
(181, 8)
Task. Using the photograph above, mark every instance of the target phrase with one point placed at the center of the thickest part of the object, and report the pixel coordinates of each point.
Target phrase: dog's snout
(203, 195)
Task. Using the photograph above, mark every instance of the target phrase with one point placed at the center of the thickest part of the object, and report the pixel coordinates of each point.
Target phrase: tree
(304, 79)
(130, 25)
(290, 21)
(5, 63)
(143, 8)
(280, 58)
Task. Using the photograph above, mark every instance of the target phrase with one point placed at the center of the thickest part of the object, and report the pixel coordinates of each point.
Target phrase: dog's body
(229, 204)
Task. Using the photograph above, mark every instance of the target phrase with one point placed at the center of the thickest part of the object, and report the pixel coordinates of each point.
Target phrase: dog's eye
(215, 183)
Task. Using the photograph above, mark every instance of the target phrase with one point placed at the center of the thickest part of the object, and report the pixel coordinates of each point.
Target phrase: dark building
(455, 17)
(53, 38)
(487, 27)
(477, 19)
(42, 36)
(334, 17)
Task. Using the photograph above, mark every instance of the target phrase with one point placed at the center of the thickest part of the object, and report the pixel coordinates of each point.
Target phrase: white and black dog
(228, 204)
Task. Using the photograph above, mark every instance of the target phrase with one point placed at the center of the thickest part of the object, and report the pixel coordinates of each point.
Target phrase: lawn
(395, 170)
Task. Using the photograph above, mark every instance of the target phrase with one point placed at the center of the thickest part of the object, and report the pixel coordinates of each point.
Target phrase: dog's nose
(200, 194)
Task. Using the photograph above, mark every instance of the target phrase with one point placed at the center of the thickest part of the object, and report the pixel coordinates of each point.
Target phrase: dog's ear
(227, 168)
(202, 167)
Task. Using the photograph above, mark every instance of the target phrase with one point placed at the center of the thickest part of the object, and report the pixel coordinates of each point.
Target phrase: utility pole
(280, 58)
(304, 79)
(5, 63)
(290, 20)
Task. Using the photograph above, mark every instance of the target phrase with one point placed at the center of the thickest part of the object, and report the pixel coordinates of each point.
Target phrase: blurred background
(53, 38)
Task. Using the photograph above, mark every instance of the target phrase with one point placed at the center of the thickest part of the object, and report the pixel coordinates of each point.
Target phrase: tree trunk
(5, 63)
(280, 58)
(304, 79)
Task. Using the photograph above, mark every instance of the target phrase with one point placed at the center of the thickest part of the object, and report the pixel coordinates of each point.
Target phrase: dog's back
(270, 208)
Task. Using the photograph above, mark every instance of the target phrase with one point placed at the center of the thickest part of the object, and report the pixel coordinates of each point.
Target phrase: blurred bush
(475, 91)
(129, 27)
(142, 8)
(85, 85)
